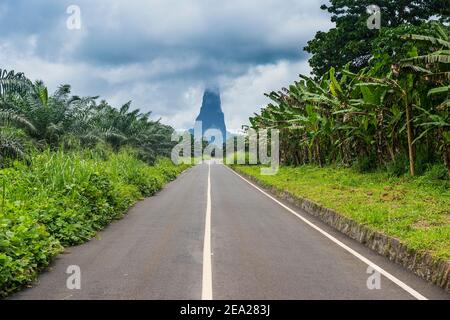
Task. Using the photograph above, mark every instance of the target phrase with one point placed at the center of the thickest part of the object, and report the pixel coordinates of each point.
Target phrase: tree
(351, 40)
(29, 115)
(391, 114)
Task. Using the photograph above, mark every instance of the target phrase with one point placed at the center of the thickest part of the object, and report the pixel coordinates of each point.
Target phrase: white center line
(398, 282)
(207, 269)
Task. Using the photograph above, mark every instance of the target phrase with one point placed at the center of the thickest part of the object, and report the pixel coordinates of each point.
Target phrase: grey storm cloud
(160, 53)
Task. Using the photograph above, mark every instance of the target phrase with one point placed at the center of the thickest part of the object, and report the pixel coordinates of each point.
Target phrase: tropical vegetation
(393, 114)
(413, 210)
(368, 133)
(69, 165)
(62, 199)
(351, 41)
(32, 119)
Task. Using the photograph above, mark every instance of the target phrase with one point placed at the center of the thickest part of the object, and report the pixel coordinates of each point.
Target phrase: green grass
(63, 199)
(414, 210)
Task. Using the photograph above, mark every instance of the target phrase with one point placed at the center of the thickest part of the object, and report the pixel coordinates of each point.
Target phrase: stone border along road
(436, 271)
(248, 245)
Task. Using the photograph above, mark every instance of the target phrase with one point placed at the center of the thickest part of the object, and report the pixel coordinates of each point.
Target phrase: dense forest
(387, 107)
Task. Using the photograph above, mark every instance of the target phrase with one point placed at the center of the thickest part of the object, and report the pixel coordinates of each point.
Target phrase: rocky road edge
(424, 265)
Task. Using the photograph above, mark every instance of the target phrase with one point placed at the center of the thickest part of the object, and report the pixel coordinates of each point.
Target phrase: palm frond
(13, 83)
(11, 116)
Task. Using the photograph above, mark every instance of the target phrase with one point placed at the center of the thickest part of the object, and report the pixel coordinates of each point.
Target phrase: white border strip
(398, 282)
(207, 269)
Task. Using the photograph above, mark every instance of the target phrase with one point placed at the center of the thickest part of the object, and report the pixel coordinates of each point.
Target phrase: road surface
(213, 235)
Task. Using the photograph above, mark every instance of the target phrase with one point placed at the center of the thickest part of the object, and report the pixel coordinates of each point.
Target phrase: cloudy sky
(162, 53)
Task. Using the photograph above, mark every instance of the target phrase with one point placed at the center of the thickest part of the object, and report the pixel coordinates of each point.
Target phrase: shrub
(366, 164)
(399, 166)
(437, 172)
(63, 199)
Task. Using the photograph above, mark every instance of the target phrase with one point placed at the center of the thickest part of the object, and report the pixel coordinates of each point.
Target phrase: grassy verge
(414, 210)
(63, 199)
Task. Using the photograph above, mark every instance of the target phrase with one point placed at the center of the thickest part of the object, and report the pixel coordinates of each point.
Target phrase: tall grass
(62, 199)
(412, 209)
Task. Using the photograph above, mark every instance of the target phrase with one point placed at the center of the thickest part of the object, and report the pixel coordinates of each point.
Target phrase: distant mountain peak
(211, 114)
(212, 90)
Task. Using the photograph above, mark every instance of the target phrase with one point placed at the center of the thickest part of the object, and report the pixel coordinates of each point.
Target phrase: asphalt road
(212, 235)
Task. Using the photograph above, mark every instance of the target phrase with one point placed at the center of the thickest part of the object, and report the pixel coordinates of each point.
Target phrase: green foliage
(366, 164)
(351, 40)
(436, 173)
(11, 82)
(413, 210)
(60, 119)
(394, 109)
(73, 164)
(64, 198)
(399, 166)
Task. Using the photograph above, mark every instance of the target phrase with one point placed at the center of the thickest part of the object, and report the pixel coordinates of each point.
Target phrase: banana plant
(434, 67)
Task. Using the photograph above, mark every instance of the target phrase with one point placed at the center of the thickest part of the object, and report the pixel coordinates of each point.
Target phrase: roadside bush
(436, 177)
(437, 172)
(399, 166)
(63, 199)
(366, 164)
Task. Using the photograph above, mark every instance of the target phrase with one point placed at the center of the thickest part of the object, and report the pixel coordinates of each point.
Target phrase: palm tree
(11, 136)
(60, 118)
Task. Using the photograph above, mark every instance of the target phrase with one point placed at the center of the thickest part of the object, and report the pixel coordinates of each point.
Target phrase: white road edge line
(207, 269)
(398, 282)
